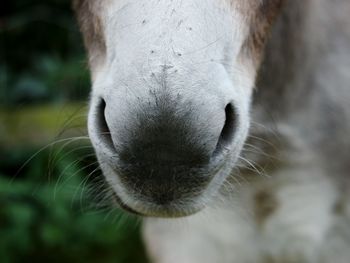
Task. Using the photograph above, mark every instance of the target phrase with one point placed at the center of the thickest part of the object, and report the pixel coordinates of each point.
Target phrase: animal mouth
(169, 211)
(144, 206)
(124, 206)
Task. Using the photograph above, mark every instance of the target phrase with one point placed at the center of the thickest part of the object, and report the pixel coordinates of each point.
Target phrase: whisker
(43, 149)
(255, 167)
(61, 149)
(82, 183)
(56, 188)
(53, 161)
(263, 140)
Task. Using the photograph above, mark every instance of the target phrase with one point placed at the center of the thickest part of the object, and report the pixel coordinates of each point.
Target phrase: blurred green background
(54, 204)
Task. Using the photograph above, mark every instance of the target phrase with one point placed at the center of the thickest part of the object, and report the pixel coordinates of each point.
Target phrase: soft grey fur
(305, 79)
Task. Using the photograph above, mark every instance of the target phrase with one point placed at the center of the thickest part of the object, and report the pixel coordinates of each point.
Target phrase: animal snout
(164, 150)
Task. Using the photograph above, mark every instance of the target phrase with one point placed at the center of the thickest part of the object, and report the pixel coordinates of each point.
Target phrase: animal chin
(147, 209)
(159, 203)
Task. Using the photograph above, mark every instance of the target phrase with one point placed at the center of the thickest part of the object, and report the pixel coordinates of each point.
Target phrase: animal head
(170, 101)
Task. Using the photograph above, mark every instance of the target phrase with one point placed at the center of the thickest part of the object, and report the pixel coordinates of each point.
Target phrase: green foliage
(41, 53)
(45, 214)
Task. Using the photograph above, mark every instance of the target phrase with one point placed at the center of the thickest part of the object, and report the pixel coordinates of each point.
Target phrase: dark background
(52, 202)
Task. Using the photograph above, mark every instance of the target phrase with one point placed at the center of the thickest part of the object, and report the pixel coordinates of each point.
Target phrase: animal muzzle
(163, 148)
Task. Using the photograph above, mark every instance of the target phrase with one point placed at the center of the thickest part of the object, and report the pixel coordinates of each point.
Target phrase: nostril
(103, 131)
(228, 130)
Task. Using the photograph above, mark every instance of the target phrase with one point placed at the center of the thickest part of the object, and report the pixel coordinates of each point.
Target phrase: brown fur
(92, 28)
(261, 22)
(265, 204)
(260, 16)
